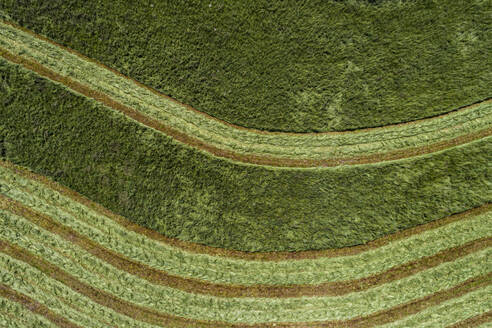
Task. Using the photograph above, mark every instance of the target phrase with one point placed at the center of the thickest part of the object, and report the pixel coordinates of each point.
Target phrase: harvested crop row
(42, 252)
(10, 300)
(60, 201)
(459, 312)
(48, 193)
(248, 309)
(428, 288)
(14, 314)
(54, 208)
(479, 321)
(63, 306)
(184, 193)
(223, 140)
(204, 287)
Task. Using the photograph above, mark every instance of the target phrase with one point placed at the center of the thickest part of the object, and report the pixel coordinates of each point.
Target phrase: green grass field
(286, 66)
(184, 193)
(245, 164)
(56, 245)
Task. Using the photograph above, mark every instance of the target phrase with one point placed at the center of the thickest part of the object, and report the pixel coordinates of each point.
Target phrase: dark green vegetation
(291, 66)
(182, 192)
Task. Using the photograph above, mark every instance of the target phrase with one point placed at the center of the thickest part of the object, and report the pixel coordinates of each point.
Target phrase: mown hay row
(104, 290)
(465, 311)
(179, 191)
(480, 321)
(46, 250)
(256, 290)
(222, 140)
(51, 208)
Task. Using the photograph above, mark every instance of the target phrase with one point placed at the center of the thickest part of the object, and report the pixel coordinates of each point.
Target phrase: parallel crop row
(121, 207)
(182, 192)
(64, 210)
(153, 109)
(53, 246)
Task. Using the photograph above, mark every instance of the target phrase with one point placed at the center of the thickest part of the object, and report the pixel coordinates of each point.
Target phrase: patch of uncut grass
(217, 134)
(233, 271)
(184, 193)
(290, 66)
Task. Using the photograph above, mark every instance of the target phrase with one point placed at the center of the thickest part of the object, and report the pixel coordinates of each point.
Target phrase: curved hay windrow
(182, 192)
(250, 146)
(50, 231)
(121, 206)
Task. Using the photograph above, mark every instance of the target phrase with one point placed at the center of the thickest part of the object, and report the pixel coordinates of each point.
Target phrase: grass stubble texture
(265, 64)
(48, 272)
(184, 193)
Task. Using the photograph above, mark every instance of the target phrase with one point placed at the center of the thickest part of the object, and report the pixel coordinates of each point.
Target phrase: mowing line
(141, 250)
(228, 290)
(259, 256)
(249, 310)
(98, 296)
(155, 317)
(35, 307)
(15, 315)
(225, 153)
(89, 312)
(448, 313)
(474, 321)
(212, 118)
(204, 268)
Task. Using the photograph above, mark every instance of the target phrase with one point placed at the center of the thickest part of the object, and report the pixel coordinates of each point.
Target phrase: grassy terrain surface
(122, 207)
(289, 66)
(14, 315)
(45, 266)
(227, 270)
(184, 193)
(102, 276)
(250, 146)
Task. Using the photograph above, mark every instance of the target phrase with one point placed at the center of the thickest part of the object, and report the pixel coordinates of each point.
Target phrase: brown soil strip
(191, 285)
(35, 307)
(474, 321)
(165, 320)
(258, 256)
(238, 127)
(251, 159)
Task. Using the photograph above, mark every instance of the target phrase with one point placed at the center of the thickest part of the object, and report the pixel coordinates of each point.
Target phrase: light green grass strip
(48, 297)
(15, 315)
(449, 312)
(241, 141)
(248, 310)
(29, 281)
(227, 270)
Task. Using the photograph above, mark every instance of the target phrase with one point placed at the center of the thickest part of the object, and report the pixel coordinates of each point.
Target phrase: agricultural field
(80, 258)
(245, 164)
(285, 65)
